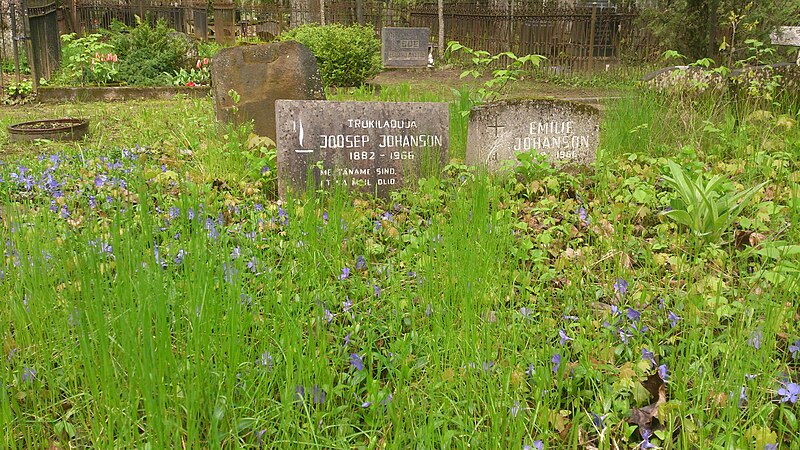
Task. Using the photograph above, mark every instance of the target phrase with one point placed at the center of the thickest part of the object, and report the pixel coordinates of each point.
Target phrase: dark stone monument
(404, 47)
(374, 147)
(261, 74)
(566, 132)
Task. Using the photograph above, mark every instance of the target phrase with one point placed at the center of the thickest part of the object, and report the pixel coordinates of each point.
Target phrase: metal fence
(573, 36)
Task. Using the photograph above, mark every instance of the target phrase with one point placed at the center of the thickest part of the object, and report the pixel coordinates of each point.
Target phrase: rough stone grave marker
(787, 36)
(260, 74)
(374, 147)
(566, 132)
(404, 47)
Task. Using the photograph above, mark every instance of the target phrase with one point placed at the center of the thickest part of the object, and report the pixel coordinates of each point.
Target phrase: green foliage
(704, 206)
(347, 56)
(200, 75)
(148, 52)
(18, 93)
(512, 67)
(87, 60)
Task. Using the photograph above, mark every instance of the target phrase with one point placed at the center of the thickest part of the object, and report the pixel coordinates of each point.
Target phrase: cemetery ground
(157, 295)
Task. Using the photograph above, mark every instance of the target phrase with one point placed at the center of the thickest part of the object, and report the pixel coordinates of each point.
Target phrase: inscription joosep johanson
(555, 138)
(370, 146)
(393, 144)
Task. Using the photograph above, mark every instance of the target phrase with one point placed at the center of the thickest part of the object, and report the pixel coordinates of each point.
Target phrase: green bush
(347, 56)
(148, 53)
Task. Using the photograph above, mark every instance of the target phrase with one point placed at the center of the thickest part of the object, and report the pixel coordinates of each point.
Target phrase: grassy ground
(158, 296)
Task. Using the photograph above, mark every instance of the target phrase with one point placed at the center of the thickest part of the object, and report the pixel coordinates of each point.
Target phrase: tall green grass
(130, 324)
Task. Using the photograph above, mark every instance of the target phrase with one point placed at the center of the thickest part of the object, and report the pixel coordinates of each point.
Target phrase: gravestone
(261, 74)
(373, 147)
(787, 36)
(404, 48)
(566, 132)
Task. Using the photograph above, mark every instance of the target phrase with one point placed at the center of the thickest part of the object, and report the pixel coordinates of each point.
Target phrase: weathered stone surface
(786, 36)
(261, 74)
(698, 81)
(566, 132)
(685, 79)
(404, 47)
(374, 147)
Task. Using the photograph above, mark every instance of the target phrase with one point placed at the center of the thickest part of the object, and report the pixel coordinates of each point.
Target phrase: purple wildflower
(794, 349)
(755, 339)
(347, 304)
(599, 421)
(620, 287)
(299, 392)
(583, 216)
(563, 337)
(377, 290)
(633, 315)
(537, 445)
(515, 409)
(319, 395)
(347, 339)
(649, 356)
(28, 375)
(267, 361)
(742, 396)
(673, 319)
(356, 361)
(556, 360)
(252, 265)
(789, 393)
(361, 263)
(662, 372)
(345, 273)
(236, 253)
(771, 447)
(526, 312)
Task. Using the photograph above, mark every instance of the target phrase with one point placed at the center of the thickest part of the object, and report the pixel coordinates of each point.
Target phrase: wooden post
(14, 37)
(360, 12)
(441, 28)
(591, 38)
(26, 31)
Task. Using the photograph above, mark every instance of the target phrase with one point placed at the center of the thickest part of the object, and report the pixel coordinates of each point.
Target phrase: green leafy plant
(347, 56)
(482, 61)
(88, 60)
(704, 206)
(18, 93)
(200, 75)
(148, 53)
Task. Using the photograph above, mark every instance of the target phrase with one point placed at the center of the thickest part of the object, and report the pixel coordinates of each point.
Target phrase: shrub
(347, 56)
(147, 53)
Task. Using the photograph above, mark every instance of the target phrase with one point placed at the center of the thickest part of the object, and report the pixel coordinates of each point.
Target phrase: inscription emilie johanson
(397, 140)
(554, 137)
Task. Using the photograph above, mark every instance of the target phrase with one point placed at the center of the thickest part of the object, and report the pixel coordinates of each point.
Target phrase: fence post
(14, 39)
(360, 12)
(26, 34)
(591, 38)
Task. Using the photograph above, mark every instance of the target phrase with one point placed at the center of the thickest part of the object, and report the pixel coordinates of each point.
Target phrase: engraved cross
(496, 126)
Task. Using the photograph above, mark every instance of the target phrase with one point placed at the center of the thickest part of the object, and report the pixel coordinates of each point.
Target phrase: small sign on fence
(404, 47)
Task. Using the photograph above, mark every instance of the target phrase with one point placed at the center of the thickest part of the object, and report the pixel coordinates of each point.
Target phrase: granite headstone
(404, 47)
(566, 132)
(374, 147)
(261, 74)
